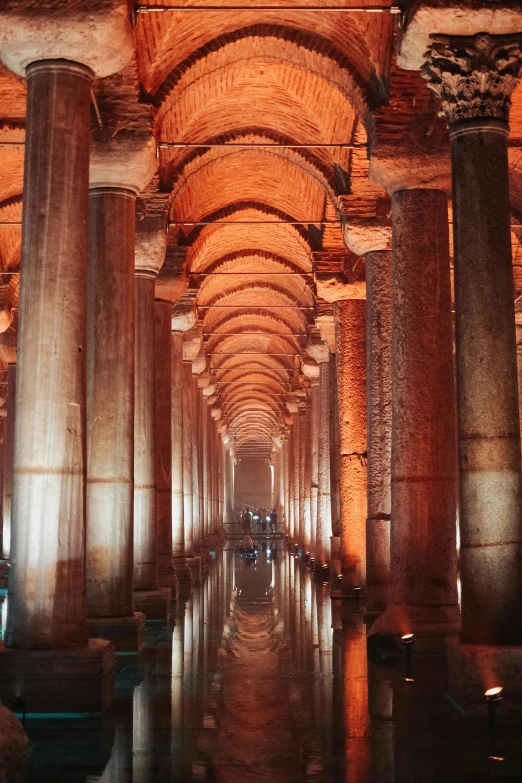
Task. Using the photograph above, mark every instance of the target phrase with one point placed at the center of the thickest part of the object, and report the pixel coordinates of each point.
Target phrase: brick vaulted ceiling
(252, 77)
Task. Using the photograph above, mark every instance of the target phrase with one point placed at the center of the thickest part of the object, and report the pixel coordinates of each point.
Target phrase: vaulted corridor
(260, 390)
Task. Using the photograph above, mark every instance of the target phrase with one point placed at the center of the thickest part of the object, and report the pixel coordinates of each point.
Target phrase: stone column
(379, 417)
(350, 329)
(324, 503)
(320, 352)
(148, 544)
(371, 239)
(7, 489)
(303, 445)
(188, 511)
(163, 438)
(296, 474)
(286, 483)
(47, 599)
(423, 488)
(110, 419)
(291, 490)
(314, 448)
(183, 319)
(483, 71)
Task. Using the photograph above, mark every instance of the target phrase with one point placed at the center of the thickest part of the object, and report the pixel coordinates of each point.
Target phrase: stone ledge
(76, 679)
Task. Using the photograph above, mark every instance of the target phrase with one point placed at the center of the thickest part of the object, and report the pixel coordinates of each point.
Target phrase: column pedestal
(72, 680)
(126, 633)
(154, 604)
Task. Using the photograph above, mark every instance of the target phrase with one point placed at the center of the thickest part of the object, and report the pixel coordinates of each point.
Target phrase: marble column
(7, 485)
(188, 511)
(46, 608)
(379, 418)
(487, 69)
(196, 464)
(110, 418)
(296, 476)
(303, 445)
(314, 449)
(324, 502)
(291, 488)
(176, 419)
(372, 240)
(163, 439)
(350, 335)
(286, 484)
(423, 481)
(148, 598)
(307, 514)
(47, 599)
(205, 484)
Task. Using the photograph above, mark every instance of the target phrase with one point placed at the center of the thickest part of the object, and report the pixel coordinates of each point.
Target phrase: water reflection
(265, 677)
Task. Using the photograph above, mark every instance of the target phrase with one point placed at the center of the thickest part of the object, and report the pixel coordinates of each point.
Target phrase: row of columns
(410, 508)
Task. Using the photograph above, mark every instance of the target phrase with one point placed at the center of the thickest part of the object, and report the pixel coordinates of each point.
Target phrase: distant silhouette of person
(247, 519)
(273, 520)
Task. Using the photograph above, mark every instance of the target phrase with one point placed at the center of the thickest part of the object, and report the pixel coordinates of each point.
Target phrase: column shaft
(47, 602)
(110, 403)
(489, 428)
(350, 335)
(379, 418)
(178, 532)
(423, 488)
(314, 450)
(7, 485)
(188, 511)
(324, 502)
(163, 433)
(145, 567)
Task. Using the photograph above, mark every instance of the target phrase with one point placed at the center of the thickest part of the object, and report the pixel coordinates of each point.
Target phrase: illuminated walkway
(261, 680)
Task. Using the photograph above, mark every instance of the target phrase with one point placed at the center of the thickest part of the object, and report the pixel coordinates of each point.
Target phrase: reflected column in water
(355, 690)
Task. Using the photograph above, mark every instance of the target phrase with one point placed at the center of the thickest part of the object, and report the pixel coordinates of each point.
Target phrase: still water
(264, 677)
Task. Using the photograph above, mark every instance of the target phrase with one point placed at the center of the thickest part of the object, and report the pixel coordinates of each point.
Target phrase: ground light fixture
(407, 640)
(493, 697)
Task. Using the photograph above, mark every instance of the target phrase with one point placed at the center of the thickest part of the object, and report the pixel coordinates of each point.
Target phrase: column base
(430, 624)
(473, 668)
(184, 577)
(167, 578)
(73, 680)
(155, 604)
(377, 599)
(194, 564)
(126, 633)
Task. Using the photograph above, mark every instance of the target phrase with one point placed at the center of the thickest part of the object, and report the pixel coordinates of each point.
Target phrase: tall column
(307, 518)
(423, 489)
(477, 111)
(350, 333)
(372, 240)
(46, 608)
(110, 418)
(324, 501)
(303, 446)
(182, 320)
(47, 599)
(291, 487)
(7, 487)
(195, 437)
(296, 474)
(205, 488)
(286, 483)
(314, 449)
(148, 546)
(163, 444)
(379, 417)
(188, 511)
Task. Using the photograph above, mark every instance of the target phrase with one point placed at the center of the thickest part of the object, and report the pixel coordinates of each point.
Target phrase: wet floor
(261, 679)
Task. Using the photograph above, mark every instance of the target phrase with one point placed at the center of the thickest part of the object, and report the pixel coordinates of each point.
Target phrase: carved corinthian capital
(474, 76)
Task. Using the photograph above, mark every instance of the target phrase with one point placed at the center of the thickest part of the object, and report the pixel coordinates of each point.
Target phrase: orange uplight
(494, 693)
(407, 638)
